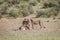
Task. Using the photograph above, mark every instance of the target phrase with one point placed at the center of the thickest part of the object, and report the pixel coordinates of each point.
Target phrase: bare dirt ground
(11, 24)
(51, 32)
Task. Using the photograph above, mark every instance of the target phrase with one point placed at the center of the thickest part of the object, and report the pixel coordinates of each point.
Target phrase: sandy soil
(12, 24)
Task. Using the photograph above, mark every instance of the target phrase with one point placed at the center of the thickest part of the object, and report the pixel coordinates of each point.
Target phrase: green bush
(13, 1)
(54, 11)
(25, 9)
(40, 13)
(1, 1)
(3, 10)
(38, 1)
(25, 13)
(26, 0)
(30, 9)
(13, 12)
(48, 5)
(33, 3)
(58, 2)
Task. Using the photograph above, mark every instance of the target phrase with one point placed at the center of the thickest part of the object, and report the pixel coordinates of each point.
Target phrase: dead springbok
(25, 25)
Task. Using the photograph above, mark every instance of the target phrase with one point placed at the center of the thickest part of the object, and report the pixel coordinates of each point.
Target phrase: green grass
(31, 35)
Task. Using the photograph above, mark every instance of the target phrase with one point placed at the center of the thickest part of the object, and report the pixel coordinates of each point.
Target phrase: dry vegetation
(22, 8)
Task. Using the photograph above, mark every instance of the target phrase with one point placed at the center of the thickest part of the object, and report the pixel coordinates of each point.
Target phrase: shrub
(40, 13)
(25, 13)
(1, 1)
(54, 11)
(26, 0)
(45, 5)
(38, 0)
(59, 2)
(25, 9)
(13, 12)
(3, 10)
(13, 1)
(48, 5)
(30, 9)
(33, 3)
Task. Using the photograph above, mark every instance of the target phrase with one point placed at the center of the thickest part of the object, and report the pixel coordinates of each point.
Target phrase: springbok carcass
(25, 25)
